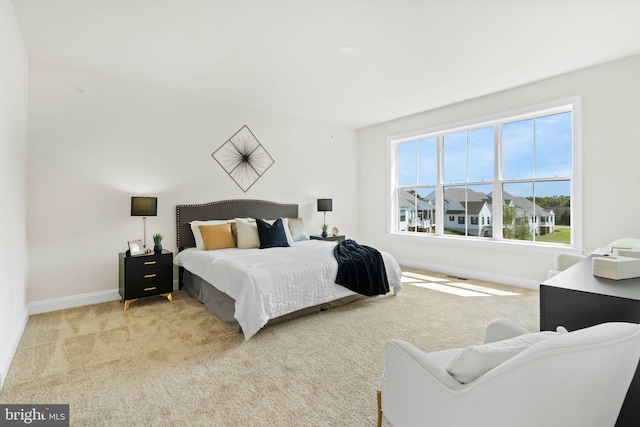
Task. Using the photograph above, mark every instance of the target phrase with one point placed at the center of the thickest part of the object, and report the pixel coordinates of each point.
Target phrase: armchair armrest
(502, 329)
(415, 385)
(565, 260)
(401, 354)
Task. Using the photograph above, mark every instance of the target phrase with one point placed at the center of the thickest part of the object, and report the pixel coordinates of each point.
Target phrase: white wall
(13, 187)
(90, 152)
(610, 151)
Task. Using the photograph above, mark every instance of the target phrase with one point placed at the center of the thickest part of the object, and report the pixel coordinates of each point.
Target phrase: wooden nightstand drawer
(142, 283)
(146, 262)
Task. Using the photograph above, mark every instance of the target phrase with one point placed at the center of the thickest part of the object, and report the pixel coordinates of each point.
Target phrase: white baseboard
(473, 274)
(62, 303)
(7, 358)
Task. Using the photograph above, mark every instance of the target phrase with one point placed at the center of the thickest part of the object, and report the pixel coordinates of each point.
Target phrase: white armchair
(564, 261)
(576, 379)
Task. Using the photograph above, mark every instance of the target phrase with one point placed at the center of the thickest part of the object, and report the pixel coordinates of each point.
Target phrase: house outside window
(516, 168)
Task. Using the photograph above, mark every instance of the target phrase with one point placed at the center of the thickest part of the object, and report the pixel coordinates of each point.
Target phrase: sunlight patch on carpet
(450, 289)
(484, 289)
(455, 288)
(423, 277)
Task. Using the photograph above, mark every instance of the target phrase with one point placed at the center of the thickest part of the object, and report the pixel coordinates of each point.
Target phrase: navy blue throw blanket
(360, 268)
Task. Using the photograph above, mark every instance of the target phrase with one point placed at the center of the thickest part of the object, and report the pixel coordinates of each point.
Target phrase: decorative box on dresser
(145, 275)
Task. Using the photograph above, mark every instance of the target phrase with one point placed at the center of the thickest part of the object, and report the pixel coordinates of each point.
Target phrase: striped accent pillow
(476, 361)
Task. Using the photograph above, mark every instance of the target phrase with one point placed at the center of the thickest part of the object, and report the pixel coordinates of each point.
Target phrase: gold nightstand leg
(127, 302)
(379, 395)
(168, 295)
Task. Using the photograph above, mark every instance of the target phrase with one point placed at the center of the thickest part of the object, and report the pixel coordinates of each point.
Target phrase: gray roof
(458, 194)
(461, 200)
(466, 200)
(525, 204)
(408, 200)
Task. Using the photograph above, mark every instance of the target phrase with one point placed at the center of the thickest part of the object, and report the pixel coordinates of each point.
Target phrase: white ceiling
(406, 56)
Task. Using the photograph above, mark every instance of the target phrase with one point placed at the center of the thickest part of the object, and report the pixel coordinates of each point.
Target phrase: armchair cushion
(476, 361)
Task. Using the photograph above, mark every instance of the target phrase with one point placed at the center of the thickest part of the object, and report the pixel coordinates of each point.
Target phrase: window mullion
(467, 217)
(440, 188)
(415, 196)
(496, 225)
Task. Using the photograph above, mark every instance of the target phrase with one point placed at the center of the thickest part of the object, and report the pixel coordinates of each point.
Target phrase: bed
(249, 287)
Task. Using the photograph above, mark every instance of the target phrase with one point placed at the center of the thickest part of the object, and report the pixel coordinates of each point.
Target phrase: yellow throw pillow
(217, 236)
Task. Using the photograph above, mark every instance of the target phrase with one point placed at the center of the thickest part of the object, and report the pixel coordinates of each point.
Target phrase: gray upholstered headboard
(227, 209)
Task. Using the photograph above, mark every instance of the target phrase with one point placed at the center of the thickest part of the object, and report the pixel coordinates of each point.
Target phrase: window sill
(484, 243)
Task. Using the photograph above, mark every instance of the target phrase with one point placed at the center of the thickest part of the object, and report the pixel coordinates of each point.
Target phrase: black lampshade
(144, 206)
(325, 205)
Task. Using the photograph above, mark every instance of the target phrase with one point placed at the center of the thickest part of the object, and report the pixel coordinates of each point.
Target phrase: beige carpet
(173, 364)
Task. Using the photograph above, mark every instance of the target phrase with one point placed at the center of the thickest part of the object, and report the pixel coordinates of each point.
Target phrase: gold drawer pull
(149, 289)
(149, 262)
(149, 276)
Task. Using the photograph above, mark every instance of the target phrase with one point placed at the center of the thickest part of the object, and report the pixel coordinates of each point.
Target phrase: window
(514, 168)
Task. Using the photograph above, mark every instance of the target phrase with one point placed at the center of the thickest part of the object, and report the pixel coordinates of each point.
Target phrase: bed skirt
(223, 306)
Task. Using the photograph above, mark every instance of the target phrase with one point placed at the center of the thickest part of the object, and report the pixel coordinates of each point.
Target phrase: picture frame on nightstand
(135, 247)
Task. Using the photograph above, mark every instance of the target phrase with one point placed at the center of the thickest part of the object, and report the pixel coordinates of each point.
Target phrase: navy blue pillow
(271, 236)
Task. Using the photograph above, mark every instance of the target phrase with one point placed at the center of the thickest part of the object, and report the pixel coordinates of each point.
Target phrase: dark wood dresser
(577, 299)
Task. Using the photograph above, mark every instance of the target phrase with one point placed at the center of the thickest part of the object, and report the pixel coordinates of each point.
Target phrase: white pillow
(247, 233)
(476, 361)
(196, 231)
(287, 232)
(297, 229)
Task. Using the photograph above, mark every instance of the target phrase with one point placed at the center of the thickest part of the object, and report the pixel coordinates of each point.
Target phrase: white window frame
(573, 103)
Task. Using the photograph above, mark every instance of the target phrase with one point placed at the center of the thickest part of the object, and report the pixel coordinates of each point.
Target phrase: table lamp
(144, 207)
(325, 205)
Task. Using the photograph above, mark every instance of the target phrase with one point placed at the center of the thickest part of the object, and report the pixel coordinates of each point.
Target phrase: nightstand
(338, 238)
(145, 275)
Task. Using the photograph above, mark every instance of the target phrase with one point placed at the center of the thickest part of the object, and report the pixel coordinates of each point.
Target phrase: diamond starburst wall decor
(243, 158)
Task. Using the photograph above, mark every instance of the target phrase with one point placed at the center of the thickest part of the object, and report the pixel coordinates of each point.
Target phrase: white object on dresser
(616, 267)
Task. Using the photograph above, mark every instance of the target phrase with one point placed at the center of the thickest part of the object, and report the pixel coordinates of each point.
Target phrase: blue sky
(530, 148)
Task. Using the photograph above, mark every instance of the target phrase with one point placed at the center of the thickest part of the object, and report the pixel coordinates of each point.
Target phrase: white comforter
(267, 283)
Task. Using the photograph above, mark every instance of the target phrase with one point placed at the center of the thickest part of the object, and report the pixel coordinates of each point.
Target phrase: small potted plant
(324, 230)
(157, 243)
